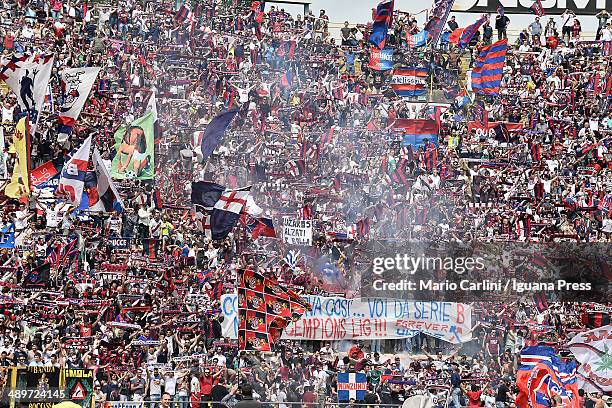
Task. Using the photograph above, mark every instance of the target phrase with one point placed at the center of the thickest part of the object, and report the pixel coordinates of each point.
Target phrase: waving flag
(543, 375)
(488, 69)
(469, 32)
(261, 227)
(437, 19)
(72, 179)
(104, 196)
(416, 131)
(381, 60)
(537, 8)
(28, 76)
(215, 130)
(593, 349)
(20, 180)
(224, 207)
(409, 81)
(382, 17)
(7, 236)
(417, 40)
(264, 310)
(76, 84)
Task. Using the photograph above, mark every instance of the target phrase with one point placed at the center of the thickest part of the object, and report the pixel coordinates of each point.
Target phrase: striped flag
(541, 303)
(537, 8)
(327, 137)
(296, 168)
(409, 81)
(362, 227)
(183, 13)
(469, 32)
(488, 69)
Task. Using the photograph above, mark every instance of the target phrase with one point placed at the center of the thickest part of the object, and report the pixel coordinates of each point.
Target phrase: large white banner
(336, 318)
(592, 349)
(296, 231)
(28, 76)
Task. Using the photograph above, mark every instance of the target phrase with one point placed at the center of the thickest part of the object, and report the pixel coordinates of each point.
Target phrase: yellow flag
(20, 180)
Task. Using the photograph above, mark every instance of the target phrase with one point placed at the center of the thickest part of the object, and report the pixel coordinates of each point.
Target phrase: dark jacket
(248, 403)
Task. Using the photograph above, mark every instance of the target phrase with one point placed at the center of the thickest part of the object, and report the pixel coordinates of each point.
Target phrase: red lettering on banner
(460, 314)
(352, 386)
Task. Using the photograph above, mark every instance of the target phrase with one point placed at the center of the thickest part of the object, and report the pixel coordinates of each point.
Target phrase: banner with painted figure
(593, 350)
(36, 387)
(336, 318)
(76, 85)
(28, 76)
(20, 180)
(134, 145)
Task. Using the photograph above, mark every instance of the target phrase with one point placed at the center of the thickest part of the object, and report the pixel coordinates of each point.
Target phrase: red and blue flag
(418, 131)
(417, 40)
(409, 81)
(381, 60)
(489, 68)
(469, 32)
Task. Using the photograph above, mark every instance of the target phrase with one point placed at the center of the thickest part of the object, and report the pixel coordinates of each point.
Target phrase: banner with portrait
(135, 150)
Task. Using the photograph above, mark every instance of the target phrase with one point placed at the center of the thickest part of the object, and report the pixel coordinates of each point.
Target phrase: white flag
(28, 76)
(593, 350)
(76, 85)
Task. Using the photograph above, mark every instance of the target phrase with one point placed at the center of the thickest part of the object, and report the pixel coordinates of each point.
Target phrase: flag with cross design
(218, 210)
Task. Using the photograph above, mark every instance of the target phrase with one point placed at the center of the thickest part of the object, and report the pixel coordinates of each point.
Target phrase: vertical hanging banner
(20, 180)
(297, 232)
(79, 386)
(135, 158)
(437, 19)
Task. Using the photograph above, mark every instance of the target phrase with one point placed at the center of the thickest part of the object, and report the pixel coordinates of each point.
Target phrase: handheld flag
(489, 68)
(543, 375)
(409, 81)
(28, 76)
(72, 179)
(382, 17)
(537, 8)
(437, 19)
(76, 84)
(469, 32)
(135, 147)
(104, 196)
(7, 236)
(264, 310)
(417, 40)
(214, 132)
(19, 185)
(592, 349)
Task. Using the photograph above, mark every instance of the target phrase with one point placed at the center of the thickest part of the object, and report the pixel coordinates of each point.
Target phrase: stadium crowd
(135, 294)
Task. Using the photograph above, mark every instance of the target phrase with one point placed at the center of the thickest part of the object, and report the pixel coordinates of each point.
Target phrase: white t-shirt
(170, 386)
(20, 220)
